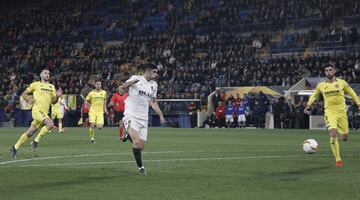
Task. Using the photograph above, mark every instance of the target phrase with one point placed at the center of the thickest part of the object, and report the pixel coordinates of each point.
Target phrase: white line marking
(83, 155)
(165, 160)
(128, 153)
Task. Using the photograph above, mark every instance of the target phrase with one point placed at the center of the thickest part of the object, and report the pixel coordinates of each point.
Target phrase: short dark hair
(329, 65)
(147, 66)
(43, 69)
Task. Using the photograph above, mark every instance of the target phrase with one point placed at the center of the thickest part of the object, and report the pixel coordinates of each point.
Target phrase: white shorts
(229, 118)
(242, 118)
(141, 126)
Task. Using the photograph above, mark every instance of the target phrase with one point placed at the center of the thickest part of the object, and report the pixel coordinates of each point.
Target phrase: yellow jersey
(43, 94)
(56, 107)
(96, 100)
(334, 95)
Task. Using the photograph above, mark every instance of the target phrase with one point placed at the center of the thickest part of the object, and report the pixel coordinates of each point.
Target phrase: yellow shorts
(96, 118)
(337, 120)
(56, 115)
(38, 118)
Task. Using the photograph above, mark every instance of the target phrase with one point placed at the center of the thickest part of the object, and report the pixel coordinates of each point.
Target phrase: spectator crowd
(71, 38)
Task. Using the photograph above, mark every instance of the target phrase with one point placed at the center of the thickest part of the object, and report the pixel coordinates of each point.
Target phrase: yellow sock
(92, 133)
(41, 134)
(60, 125)
(21, 140)
(334, 144)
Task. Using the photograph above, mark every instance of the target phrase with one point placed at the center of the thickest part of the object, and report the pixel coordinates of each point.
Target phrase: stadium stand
(197, 45)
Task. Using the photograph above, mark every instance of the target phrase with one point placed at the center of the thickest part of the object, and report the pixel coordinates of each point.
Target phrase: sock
(129, 138)
(42, 133)
(60, 124)
(121, 130)
(137, 156)
(334, 144)
(21, 141)
(91, 133)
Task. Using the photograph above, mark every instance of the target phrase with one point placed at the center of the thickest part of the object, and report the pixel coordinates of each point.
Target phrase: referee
(118, 104)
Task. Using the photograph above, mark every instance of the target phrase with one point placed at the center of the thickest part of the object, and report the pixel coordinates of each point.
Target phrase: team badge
(336, 85)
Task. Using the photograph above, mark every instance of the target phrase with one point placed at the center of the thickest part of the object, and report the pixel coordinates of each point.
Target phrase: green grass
(182, 164)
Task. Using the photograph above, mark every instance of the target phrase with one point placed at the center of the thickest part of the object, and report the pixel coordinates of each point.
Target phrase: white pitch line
(113, 154)
(83, 155)
(165, 160)
(128, 153)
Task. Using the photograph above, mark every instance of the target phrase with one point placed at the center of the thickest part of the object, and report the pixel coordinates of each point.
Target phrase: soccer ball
(310, 146)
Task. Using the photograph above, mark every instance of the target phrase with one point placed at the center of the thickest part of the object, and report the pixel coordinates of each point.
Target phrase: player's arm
(156, 108)
(132, 80)
(104, 106)
(348, 90)
(312, 98)
(88, 98)
(62, 102)
(26, 95)
(56, 96)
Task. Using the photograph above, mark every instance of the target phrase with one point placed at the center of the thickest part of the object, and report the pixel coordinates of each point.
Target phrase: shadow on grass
(294, 174)
(70, 181)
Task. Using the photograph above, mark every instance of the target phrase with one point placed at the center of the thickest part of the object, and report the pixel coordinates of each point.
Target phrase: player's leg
(60, 124)
(99, 121)
(116, 118)
(121, 129)
(121, 125)
(137, 147)
(343, 125)
(335, 147)
(86, 120)
(92, 120)
(22, 139)
(331, 122)
(92, 132)
(53, 115)
(223, 122)
(138, 139)
(126, 126)
(244, 120)
(227, 122)
(48, 125)
(343, 129)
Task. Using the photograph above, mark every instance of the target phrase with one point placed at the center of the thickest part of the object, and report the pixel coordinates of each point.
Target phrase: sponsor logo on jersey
(141, 92)
(46, 90)
(332, 92)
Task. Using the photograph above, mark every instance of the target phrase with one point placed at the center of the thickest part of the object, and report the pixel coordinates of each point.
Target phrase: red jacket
(85, 108)
(119, 102)
(220, 112)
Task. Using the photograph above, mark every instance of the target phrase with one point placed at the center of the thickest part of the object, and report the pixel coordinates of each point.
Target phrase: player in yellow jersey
(44, 94)
(57, 112)
(333, 91)
(97, 100)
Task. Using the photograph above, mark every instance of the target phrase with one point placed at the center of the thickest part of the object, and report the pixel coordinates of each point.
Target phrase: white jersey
(140, 94)
(62, 106)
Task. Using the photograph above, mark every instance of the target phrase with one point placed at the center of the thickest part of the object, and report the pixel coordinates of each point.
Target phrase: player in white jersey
(142, 93)
(58, 111)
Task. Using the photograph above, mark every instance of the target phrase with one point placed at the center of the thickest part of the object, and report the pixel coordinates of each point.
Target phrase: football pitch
(181, 164)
